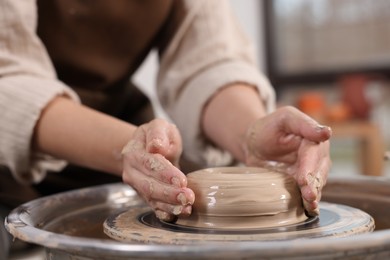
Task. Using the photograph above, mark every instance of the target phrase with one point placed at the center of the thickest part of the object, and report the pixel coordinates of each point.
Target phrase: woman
(65, 97)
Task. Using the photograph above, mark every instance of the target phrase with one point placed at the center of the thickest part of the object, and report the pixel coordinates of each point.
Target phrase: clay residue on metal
(243, 197)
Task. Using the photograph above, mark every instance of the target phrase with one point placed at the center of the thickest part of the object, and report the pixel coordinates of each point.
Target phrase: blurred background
(329, 58)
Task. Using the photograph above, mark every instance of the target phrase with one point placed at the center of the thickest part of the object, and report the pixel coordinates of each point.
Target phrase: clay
(243, 198)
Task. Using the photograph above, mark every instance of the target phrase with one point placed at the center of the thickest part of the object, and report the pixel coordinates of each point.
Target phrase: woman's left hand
(293, 140)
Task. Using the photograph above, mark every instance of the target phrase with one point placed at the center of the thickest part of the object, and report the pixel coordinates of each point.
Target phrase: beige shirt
(208, 51)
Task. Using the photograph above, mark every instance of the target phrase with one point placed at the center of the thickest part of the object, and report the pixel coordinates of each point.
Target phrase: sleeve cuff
(22, 98)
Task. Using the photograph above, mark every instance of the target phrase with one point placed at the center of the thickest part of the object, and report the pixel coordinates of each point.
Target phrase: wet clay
(243, 198)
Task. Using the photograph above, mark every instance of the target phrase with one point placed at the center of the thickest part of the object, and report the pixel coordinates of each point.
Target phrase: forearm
(82, 136)
(228, 115)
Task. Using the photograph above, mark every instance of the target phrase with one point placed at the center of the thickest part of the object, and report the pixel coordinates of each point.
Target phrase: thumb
(163, 137)
(298, 123)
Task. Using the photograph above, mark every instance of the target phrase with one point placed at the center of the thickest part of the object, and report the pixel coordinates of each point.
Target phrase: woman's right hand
(150, 166)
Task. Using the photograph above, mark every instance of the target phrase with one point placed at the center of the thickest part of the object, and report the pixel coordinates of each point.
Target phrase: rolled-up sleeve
(209, 51)
(27, 84)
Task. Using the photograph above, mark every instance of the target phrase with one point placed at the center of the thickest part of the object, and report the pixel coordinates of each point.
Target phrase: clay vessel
(243, 197)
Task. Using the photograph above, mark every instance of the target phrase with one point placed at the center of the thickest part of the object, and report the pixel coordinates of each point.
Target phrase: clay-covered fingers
(311, 194)
(312, 173)
(278, 136)
(290, 140)
(155, 166)
(169, 212)
(158, 181)
(295, 122)
(167, 200)
(148, 169)
(147, 151)
(163, 138)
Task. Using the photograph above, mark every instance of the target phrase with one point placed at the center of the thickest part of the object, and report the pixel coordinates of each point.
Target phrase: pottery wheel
(140, 224)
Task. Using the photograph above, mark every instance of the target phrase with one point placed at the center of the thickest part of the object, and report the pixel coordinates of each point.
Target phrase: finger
(164, 138)
(153, 190)
(155, 166)
(289, 146)
(137, 144)
(309, 194)
(298, 123)
(312, 161)
(166, 211)
(157, 137)
(312, 190)
(311, 185)
(311, 208)
(176, 146)
(170, 217)
(310, 200)
(165, 216)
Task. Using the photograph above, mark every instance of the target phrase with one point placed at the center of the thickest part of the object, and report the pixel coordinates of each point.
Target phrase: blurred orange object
(312, 104)
(338, 113)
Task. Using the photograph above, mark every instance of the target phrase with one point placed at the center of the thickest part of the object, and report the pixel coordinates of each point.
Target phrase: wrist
(228, 116)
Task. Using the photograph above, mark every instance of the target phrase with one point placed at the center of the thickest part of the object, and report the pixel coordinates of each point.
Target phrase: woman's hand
(290, 139)
(150, 162)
